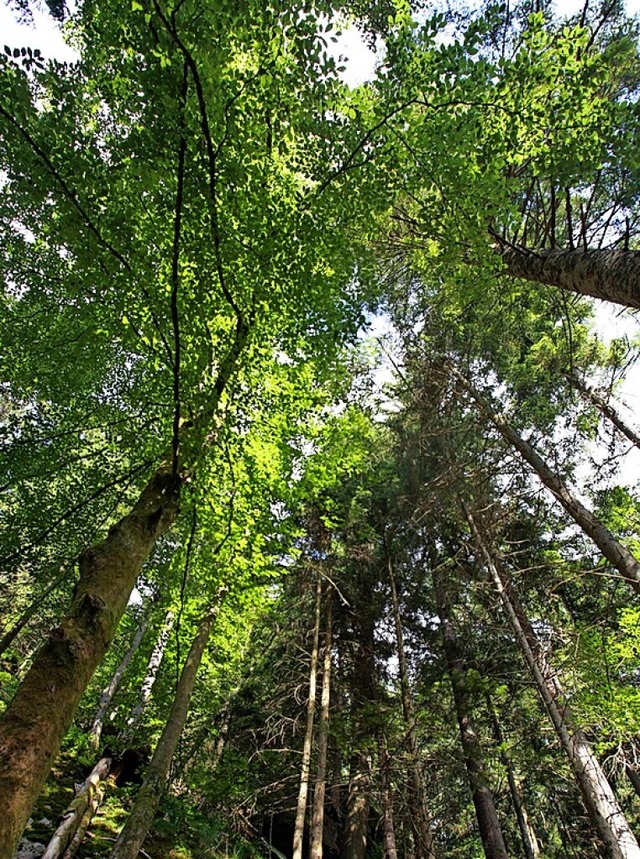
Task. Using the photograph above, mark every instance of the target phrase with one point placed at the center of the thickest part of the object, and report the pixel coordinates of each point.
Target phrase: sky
(611, 321)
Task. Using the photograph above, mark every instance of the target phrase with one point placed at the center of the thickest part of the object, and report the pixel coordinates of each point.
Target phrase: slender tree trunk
(390, 848)
(420, 818)
(527, 835)
(305, 767)
(111, 688)
(611, 274)
(488, 823)
(75, 814)
(36, 720)
(618, 555)
(618, 841)
(137, 826)
(604, 408)
(317, 822)
(11, 634)
(153, 666)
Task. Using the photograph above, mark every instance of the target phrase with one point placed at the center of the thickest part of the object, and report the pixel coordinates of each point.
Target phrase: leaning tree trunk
(604, 408)
(618, 555)
(420, 818)
(608, 820)
(153, 666)
(487, 816)
(137, 826)
(305, 766)
(112, 686)
(83, 803)
(319, 792)
(611, 274)
(36, 720)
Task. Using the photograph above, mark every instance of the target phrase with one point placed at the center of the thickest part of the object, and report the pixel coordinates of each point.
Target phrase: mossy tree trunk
(139, 821)
(36, 720)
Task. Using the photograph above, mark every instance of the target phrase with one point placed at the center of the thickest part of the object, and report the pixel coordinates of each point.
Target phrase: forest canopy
(320, 513)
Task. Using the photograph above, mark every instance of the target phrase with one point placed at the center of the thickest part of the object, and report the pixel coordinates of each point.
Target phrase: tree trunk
(357, 822)
(137, 826)
(305, 767)
(153, 666)
(111, 688)
(36, 720)
(317, 822)
(618, 841)
(75, 814)
(390, 849)
(11, 634)
(604, 408)
(527, 835)
(618, 555)
(611, 274)
(420, 818)
(634, 777)
(363, 696)
(488, 823)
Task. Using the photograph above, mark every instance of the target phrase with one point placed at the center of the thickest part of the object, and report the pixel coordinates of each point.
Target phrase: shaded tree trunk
(357, 822)
(420, 819)
(618, 555)
(317, 822)
(363, 695)
(111, 688)
(611, 274)
(137, 826)
(390, 848)
(488, 823)
(618, 841)
(527, 835)
(36, 720)
(305, 767)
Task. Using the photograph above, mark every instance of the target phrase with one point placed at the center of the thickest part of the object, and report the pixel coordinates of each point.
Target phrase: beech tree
(198, 219)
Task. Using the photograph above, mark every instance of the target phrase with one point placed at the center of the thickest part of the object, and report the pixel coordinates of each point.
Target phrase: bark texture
(153, 666)
(618, 555)
(76, 813)
(137, 826)
(305, 767)
(317, 819)
(612, 274)
(112, 686)
(420, 818)
(486, 814)
(36, 720)
(609, 822)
